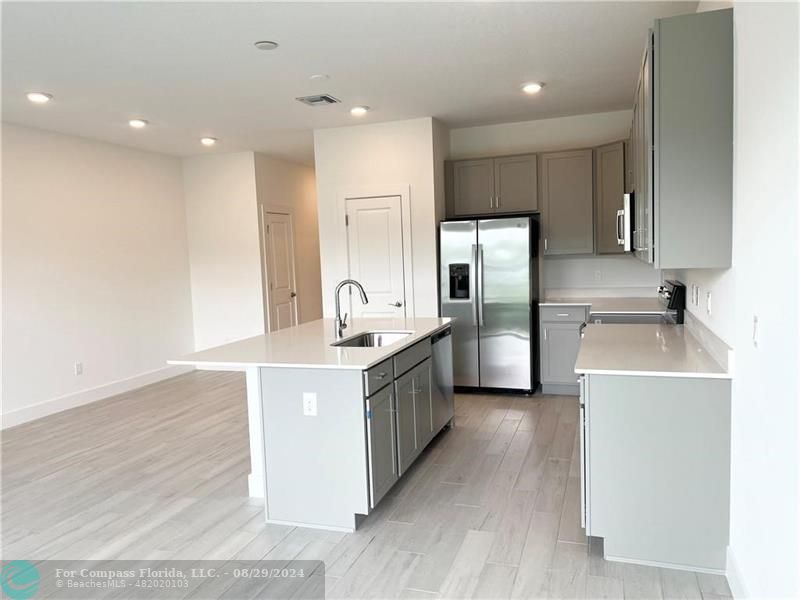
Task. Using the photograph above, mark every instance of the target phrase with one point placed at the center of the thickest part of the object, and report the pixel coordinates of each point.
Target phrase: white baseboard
(664, 565)
(735, 582)
(56, 405)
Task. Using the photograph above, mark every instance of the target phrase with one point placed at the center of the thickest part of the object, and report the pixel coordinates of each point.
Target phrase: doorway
(376, 251)
(279, 270)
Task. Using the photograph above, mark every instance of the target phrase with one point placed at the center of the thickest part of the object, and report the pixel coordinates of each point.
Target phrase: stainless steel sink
(373, 339)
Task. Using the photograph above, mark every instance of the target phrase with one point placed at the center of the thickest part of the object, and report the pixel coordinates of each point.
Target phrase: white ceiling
(191, 68)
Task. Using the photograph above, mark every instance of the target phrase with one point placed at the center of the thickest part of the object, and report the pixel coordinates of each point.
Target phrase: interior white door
(279, 257)
(375, 255)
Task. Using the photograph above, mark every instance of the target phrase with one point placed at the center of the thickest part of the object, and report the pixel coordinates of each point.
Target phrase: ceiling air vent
(319, 100)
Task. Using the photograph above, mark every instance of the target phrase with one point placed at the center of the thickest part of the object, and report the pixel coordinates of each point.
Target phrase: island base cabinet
(657, 469)
(414, 415)
(382, 443)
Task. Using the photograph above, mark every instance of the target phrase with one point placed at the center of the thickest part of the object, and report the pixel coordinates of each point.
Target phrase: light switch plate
(310, 404)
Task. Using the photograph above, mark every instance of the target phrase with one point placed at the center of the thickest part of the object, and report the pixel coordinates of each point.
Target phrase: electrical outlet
(78, 368)
(708, 302)
(310, 404)
(598, 275)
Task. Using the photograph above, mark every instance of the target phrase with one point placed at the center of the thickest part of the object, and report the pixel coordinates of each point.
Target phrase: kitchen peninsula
(335, 422)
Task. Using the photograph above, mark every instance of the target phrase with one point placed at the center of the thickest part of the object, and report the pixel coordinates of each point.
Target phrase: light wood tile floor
(490, 510)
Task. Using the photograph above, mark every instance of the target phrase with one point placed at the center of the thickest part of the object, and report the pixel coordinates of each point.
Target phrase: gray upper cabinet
(682, 143)
(609, 188)
(382, 446)
(473, 187)
(566, 199)
(515, 187)
(505, 184)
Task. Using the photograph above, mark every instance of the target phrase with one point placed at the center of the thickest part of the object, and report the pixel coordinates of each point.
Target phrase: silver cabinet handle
(497, 201)
(545, 244)
(491, 201)
(381, 375)
(562, 314)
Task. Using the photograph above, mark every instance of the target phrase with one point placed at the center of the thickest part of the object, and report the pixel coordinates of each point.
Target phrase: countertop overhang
(645, 350)
(309, 346)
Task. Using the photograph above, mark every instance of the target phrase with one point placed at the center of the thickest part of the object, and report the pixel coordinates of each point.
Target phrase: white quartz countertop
(309, 346)
(653, 350)
(610, 305)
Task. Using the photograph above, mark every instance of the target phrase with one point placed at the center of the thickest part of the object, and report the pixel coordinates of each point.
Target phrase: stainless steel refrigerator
(489, 284)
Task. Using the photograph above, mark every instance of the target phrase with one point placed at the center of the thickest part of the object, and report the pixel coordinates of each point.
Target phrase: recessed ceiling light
(39, 97)
(320, 77)
(137, 123)
(532, 87)
(266, 45)
(359, 111)
(208, 141)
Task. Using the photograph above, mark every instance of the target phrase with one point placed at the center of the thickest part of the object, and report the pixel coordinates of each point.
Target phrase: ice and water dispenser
(459, 281)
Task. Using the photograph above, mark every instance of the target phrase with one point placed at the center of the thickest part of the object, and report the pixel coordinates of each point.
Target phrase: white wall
(574, 273)
(289, 187)
(224, 247)
(370, 157)
(95, 270)
(561, 133)
(764, 445)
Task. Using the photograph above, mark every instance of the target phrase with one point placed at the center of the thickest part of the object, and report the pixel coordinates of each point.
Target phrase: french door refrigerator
(489, 285)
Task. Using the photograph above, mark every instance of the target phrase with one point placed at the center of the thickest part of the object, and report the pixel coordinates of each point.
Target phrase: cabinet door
(423, 404)
(383, 471)
(643, 237)
(407, 447)
(567, 202)
(515, 184)
(609, 188)
(560, 342)
(473, 187)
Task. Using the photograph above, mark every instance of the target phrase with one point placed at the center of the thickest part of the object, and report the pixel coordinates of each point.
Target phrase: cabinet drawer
(411, 356)
(568, 314)
(378, 377)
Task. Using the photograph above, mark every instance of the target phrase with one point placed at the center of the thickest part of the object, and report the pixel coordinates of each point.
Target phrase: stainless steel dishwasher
(442, 388)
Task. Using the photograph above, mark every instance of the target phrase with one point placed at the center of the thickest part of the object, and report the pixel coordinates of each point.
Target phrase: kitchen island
(655, 446)
(335, 422)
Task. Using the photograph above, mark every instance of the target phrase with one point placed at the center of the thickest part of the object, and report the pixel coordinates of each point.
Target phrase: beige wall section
(561, 133)
(372, 157)
(224, 248)
(95, 270)
(285, 186)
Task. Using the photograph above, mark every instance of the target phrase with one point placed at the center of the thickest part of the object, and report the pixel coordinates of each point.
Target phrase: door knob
(396, 304)
(293, 294)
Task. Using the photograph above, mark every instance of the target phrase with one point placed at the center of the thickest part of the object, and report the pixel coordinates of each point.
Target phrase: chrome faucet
(341, 322)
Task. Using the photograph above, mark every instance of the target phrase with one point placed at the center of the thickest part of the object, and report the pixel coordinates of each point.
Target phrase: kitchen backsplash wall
(600, 273)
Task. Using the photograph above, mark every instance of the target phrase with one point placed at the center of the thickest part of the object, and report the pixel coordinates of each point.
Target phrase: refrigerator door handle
(479, 299)
(474, 284)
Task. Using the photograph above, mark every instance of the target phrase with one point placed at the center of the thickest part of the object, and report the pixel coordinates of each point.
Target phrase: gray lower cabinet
(506, 184)
(407, 448)
(382, 443)
(423, 404)
(567, 202)
(414, 413)
(559, 343)
(609, 189)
